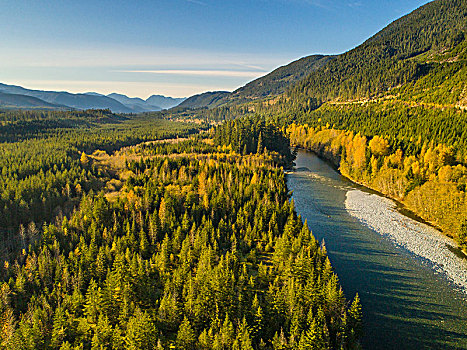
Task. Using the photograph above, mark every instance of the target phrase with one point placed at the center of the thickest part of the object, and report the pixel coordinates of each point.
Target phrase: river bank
(392, 219)
(406, 304)
(403, 206)
(429, 185)
(381, 215)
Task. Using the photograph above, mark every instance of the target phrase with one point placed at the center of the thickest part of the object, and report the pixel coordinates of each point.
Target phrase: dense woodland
(201, 247)
(44, 172)
(254, 135)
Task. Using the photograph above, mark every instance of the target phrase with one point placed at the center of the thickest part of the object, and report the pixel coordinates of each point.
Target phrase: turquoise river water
(406, 304)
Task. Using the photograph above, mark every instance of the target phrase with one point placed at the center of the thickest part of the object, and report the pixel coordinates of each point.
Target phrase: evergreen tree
(186, 338)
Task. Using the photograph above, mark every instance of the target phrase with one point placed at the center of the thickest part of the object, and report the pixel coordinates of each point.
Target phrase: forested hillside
(268, 86)
(404, 51)
(206, 99)
(278, 81)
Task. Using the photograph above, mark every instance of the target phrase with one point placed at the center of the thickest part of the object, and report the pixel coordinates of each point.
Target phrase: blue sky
(175, 47)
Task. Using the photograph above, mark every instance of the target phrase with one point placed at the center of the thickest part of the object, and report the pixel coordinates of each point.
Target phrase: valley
(257, 218)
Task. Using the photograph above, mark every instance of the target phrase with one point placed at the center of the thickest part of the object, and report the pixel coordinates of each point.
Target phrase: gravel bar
(381, 215)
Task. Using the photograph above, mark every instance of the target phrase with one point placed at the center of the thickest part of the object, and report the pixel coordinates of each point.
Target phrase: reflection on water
(406, 304)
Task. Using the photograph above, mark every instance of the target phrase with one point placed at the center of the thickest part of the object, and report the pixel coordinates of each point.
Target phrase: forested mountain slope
(268, 86)
(206, 99)
(276, 82)
(404, 51)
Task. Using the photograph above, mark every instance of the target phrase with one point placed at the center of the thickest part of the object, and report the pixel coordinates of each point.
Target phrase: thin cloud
(245, 65)
(197, 2)
(207, 73)
(355, 4)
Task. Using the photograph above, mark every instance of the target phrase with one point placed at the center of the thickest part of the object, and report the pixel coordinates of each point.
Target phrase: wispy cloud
(206, 73)
(325, 4)
(355, 4)
(197, 2)
(246, 65)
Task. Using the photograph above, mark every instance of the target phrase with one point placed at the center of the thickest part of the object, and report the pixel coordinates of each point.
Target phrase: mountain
(272, 84)
(206, 99)
(137, 104)
(164, 102)
(77, 101)
(22, 101)
(276, 82)
(117, 103)
(93, 93)
(391, 114)
(405, 51)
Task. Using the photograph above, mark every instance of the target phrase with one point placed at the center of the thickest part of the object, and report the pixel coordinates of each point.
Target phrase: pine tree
(60, 326)
(312, 338)
(260, 148)
(93, 302)
(140, 332)
(355, 319)
(186, 338)
(103, 333)
(243, 336)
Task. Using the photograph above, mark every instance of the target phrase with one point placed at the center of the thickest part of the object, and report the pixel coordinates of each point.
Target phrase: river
(406, 303)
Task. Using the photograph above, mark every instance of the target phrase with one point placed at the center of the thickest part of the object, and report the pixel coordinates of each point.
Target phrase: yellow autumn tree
(359, 151)
(379, 146)
(84, 159)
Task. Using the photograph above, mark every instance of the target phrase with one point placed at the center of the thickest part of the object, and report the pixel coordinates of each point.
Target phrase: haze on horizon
(175, 47)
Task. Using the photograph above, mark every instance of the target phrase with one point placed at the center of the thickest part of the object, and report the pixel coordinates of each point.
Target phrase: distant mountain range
(12, 96)
(272, 84)
(164, 102)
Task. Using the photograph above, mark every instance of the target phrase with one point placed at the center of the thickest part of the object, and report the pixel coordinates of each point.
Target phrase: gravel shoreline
(381, 215)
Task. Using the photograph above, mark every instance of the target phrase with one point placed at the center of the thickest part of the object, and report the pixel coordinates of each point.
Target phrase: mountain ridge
(76, 101)
(135, 103)
(117, 103)
(165, 102)
(23, 101)
(272, 84)
(208, 99)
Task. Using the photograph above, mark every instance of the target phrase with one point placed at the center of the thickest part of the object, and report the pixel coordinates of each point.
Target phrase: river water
(406, 303)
